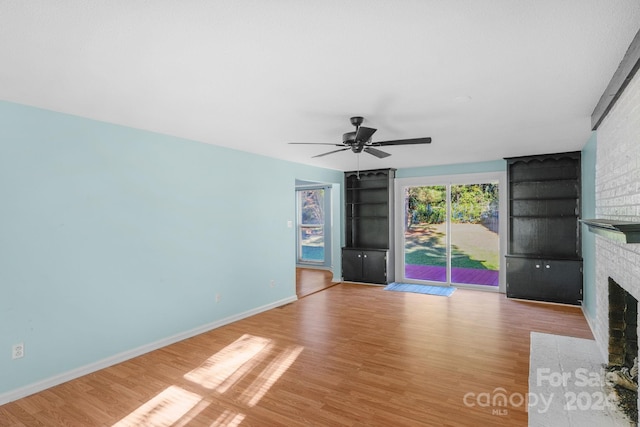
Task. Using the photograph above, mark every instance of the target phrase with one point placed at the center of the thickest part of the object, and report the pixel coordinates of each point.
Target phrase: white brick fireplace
(617, 198)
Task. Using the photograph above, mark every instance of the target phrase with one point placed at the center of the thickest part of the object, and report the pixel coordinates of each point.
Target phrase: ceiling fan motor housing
(349, 138)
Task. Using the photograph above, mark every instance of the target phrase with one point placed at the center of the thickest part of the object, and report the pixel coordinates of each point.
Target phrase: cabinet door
(544, 280)
(374, 267)
(352, 265)
(522, 278)
(565, 280)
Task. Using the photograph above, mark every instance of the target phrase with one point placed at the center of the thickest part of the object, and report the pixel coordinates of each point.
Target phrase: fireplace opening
(622, 372)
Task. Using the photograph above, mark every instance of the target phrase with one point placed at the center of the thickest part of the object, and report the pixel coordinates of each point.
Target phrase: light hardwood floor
(351, 355)
(311, 280)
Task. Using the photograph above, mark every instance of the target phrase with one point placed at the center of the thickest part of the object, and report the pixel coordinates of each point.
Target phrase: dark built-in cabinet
(367, 255)
(544, 256)
(364, 265)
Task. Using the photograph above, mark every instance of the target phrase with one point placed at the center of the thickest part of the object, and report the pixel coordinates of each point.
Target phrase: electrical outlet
(17, 351)
(272, 283)
(217, 298)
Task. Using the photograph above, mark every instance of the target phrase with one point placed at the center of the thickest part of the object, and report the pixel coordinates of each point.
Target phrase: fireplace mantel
(621, 231)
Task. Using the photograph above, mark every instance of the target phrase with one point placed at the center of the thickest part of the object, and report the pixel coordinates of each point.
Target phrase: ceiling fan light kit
(360, 141)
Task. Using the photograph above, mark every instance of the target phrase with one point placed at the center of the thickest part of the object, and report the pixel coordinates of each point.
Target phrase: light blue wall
(588, 238)
(112, 238)
(479, 167)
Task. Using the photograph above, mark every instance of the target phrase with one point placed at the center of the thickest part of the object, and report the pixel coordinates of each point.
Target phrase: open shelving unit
(544, 256)
(367, 256)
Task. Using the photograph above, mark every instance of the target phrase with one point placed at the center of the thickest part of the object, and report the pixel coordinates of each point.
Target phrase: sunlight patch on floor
(228, 419)
(271, 374)
(247, 357)
(192, 414)
(230, 364)
(163, 410)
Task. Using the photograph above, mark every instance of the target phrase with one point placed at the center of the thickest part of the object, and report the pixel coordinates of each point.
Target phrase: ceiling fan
(359, 141)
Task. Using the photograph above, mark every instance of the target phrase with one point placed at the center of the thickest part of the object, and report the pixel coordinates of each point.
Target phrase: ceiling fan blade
(317, 143)
(379, 154)
(364, 134)
(331, 152)
(403, 142)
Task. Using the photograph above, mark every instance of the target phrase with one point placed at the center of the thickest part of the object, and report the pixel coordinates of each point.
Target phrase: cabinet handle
(365, 255)
(547, 266)
(359, 256)
(537, 265)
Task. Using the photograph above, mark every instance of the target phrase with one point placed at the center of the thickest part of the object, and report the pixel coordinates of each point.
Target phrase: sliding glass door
(425, 235)
(451, 231)
(475, 240)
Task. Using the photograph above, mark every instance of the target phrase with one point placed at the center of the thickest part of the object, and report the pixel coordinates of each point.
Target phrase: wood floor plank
(312, 280)
(350, 355)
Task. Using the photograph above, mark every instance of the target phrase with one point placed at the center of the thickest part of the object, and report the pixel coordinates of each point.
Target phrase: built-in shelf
(368, 255)
(622, 231)
(544, 253)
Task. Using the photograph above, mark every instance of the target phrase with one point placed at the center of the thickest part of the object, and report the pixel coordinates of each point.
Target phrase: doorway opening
(450, 231)
(313, 225)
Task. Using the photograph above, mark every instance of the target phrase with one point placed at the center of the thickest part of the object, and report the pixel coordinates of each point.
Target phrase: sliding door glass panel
(475, 244)
(425, 251)
(311, 248)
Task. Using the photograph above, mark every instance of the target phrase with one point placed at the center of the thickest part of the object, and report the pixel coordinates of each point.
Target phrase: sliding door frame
(448, 180)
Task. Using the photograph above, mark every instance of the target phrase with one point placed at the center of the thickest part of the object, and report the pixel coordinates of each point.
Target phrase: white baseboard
(130, 354)
(588, 319)
(592, 326)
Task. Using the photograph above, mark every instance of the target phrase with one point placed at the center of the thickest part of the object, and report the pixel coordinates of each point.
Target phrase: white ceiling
(484, 78)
